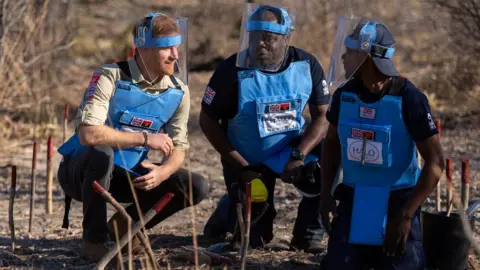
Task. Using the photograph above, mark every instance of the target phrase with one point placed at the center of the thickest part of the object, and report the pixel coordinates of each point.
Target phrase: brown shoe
(122, 227)
(93, 251)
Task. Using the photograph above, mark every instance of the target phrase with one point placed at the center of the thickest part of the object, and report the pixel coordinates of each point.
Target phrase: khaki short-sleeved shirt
(95, 104)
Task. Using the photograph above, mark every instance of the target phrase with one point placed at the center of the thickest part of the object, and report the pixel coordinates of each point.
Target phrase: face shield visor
(176, 42)
(264, 38)
(353, 43)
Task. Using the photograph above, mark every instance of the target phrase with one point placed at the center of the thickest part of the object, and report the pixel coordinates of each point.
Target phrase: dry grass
(32, 54)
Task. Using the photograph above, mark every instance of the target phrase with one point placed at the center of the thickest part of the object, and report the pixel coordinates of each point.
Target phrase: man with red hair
(124, 110)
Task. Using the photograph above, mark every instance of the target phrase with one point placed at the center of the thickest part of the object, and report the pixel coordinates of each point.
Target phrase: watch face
(297, 155)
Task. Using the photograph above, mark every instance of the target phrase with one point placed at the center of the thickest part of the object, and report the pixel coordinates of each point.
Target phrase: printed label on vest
(373, 152)
(139, 122)
(279, 121)
(278, 107)
(366, 112)
(359, 133)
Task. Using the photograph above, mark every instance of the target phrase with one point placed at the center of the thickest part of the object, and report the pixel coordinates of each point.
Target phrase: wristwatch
(297, 155)
(145, 137)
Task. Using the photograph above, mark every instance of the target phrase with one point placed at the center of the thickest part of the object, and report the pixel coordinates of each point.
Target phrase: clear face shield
(264, 39)
(176, 42)
(353, 43)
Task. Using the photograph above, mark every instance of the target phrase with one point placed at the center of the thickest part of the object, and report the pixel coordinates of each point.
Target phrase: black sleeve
(320, 94)
(417, 115)
(334, 108)
(219, 97)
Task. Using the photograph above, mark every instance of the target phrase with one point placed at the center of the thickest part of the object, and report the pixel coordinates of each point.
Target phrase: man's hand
(292, 171)
(160, 141)
(151, 180)
(397, 234)
(327, 205)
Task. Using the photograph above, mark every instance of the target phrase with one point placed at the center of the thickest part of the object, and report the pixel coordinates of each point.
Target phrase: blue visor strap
(160, 42)
(375, 49)
(267, 26)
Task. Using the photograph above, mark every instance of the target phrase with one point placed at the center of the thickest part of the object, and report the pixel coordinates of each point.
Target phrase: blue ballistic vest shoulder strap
(378, 155)
(270, 110)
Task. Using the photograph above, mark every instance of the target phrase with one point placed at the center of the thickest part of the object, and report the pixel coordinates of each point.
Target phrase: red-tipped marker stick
(13, 188)
(157, 208)
(32, 185)
(49, 175)
(448, 172)
(438, 191)
(465, 182)
(248, 217)
(65, 123)
(143, 239)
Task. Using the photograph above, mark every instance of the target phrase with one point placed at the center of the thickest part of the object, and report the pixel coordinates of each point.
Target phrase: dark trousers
(342, 255)
(77, 174)
(308, 225)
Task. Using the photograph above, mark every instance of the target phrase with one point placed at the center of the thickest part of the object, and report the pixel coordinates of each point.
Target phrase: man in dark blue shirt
(252, 115)
(377, 122)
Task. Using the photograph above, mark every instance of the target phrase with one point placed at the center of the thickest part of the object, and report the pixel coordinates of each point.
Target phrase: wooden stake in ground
(157, 208)
(438, 191)
(65, 123)
(13, 188)
(49, 175)
(248, 215)
(448, 173)
(32, 185)
(465, 182)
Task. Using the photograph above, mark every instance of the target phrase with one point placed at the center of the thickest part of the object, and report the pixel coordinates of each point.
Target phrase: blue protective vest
(269, 114)
(390, 161)
(132, 110)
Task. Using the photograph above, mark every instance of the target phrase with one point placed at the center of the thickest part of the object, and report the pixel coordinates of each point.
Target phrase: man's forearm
(427, 181)
(174, 161)
(313, 135)
(105, 135)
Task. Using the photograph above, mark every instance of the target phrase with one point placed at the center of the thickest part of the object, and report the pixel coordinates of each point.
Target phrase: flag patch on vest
(359, 133)
(366, 112)
(373, 151)
(90, 92)
(278, 107)
(138, 122)
(95, 78)
(209, 95)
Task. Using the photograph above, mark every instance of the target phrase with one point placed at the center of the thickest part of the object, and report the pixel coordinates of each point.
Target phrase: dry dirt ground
(51, 247)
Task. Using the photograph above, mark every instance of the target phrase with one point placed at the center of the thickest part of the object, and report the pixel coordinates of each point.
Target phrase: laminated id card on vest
(369, 215)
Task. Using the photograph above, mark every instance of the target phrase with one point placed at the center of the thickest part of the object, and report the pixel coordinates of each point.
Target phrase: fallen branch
(222, 259)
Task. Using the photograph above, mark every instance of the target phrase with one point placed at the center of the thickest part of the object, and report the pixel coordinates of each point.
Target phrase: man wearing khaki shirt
(124, 109)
